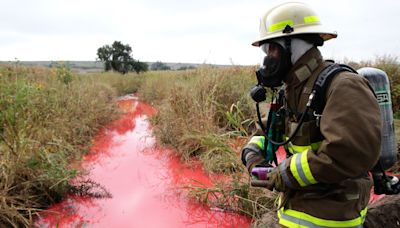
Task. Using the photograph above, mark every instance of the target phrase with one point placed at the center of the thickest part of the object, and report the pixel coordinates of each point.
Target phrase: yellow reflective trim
(311, 19)
(258, 140)
(295, 173)
(288, 223)
(299, 149)
(280, 25)
(315, 146)
(317, 221)
(306, 168)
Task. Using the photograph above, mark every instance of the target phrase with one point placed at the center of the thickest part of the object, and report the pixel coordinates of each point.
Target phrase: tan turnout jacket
(331, 182)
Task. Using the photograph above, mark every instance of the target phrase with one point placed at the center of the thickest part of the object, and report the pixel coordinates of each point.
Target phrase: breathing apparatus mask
(275, 62)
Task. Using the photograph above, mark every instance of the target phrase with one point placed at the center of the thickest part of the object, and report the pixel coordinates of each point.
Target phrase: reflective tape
(295, 219)
(259, 141)
(285, 177)
(280, 25)
(311, 19)
(301, 170)
(294, 149)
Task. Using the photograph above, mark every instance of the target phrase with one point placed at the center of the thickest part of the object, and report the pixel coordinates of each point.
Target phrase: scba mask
(275, 63)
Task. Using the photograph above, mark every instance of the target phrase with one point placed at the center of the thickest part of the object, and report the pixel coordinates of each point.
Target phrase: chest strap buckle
(318, 118)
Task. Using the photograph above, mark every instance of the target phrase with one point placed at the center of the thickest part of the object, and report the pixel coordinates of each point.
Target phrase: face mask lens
(264, 48)
(263, 53)
(271, 50)
(273, 65)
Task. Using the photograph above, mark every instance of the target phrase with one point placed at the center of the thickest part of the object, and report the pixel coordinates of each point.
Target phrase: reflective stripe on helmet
(299, 16)
(280, 25)
(311, 19)
(301, 170)
(259, 141)
(296, 219)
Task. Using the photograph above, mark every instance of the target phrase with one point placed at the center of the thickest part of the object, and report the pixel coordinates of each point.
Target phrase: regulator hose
(265, 130)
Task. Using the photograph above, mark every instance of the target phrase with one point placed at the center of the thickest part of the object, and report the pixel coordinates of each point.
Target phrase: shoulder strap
(322, 83)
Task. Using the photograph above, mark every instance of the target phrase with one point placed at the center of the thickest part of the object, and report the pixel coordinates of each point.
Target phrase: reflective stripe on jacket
(296, 219)
(326, 174)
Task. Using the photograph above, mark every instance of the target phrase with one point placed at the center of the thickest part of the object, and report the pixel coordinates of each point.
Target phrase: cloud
(182, 31)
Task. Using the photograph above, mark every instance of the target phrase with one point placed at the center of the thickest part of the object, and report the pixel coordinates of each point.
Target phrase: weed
(47, 120)
(235, 195)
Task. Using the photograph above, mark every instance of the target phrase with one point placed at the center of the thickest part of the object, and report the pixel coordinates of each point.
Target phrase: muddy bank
(384, 213)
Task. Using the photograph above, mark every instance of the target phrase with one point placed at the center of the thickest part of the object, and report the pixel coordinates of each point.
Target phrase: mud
(384, 213)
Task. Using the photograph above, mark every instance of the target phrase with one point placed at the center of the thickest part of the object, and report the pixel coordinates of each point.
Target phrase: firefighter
(324, 179)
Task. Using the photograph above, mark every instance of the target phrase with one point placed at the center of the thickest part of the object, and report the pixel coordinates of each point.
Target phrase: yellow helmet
(290, 19)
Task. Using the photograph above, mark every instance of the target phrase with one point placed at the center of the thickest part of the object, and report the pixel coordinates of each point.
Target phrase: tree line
(118, 57)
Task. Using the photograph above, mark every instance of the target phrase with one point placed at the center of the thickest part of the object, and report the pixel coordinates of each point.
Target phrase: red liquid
(145, 182)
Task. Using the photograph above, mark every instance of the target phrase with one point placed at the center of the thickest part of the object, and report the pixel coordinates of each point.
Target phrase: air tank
(379, 81)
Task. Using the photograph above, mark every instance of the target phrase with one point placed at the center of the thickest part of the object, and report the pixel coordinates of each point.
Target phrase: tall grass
(193, 109)
(47, 120)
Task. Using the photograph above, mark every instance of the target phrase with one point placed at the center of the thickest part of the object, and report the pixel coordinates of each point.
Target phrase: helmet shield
(275, 64)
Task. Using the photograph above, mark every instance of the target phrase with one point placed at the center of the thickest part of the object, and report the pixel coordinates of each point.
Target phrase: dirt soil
(384, 213)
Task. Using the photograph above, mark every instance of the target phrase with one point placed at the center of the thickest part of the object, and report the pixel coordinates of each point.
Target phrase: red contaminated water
(146, 183)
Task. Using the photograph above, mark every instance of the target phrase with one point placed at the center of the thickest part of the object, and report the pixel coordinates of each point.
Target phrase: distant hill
(95, 66)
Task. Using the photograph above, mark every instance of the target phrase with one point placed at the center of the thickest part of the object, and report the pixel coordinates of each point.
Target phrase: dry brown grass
(47, 119)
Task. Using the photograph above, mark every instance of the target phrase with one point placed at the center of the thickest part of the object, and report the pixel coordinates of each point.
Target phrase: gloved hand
(252, 152)
(250, 158)
(274, 181)
(390, 186)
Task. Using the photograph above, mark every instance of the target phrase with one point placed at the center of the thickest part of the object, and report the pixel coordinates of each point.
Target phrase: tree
(140, 67)
(159, 66)
(118, 57)
(186, 68)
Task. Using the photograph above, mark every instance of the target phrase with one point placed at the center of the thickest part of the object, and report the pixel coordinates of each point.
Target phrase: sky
(185, 31)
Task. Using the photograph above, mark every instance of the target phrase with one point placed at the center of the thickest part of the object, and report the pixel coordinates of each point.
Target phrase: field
(48, 117)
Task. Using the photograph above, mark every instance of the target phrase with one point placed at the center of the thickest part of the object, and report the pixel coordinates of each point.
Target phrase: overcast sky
(211, 31)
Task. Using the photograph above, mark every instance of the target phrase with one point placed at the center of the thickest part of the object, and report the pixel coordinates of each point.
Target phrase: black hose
(291, 137)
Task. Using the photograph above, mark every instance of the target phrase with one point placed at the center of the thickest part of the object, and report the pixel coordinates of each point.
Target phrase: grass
(47, 120)
(235, 196)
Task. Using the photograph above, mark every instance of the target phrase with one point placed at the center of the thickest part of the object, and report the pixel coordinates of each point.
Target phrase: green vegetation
(159, 66)
(47, 120)
(118, 57)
